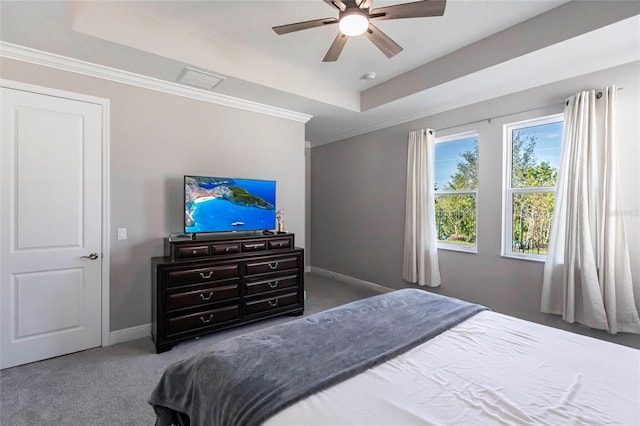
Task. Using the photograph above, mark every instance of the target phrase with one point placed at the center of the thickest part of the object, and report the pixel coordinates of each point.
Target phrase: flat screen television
(220, 204)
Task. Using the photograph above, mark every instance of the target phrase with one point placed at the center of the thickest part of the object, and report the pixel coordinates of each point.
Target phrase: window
(456, 191)
(531, 168)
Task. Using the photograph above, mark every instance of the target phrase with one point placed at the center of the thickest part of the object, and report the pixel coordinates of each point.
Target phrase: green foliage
(532, 212)
(456, 218)
(466, 176)
(242, 197)
(526, 171)
(456, 214)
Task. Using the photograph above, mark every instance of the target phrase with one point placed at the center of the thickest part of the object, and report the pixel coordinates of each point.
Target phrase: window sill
(459, 248)
(525, 257)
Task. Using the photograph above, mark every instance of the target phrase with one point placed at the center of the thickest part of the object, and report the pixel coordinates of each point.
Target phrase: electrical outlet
(122, 233)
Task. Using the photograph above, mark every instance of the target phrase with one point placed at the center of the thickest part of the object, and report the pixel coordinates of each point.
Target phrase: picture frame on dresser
(215, 282)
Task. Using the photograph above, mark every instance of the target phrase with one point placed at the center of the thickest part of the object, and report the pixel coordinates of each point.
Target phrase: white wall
(156, 138)
(358, 190)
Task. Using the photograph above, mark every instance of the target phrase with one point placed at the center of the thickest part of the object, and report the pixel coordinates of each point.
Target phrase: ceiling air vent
(199, 79)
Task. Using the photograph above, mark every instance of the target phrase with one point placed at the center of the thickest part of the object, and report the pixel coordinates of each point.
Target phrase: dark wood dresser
(209, 284)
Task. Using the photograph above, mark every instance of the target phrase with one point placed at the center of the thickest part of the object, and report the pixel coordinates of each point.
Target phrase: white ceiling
(478, 50)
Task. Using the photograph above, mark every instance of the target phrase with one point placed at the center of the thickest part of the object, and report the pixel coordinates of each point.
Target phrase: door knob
(92, 256)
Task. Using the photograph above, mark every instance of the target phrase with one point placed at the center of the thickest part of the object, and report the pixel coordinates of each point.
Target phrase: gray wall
(358, 191)
(156, 138)
(307, 202)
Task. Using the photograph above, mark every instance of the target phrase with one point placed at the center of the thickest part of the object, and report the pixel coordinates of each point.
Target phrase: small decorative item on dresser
(180, 236)
(280, 218)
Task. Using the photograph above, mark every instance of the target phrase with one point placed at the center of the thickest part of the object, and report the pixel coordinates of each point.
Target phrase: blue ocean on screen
(223, 204)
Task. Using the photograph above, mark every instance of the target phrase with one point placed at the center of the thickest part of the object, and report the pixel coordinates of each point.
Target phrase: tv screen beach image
(215, 204)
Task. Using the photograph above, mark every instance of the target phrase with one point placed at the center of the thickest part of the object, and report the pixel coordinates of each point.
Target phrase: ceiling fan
(355, 18)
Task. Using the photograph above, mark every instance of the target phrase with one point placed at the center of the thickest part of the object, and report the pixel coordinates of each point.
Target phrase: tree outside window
(456, 190)
(533, 148)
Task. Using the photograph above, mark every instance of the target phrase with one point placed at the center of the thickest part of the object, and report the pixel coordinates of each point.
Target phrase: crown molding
(52, 60)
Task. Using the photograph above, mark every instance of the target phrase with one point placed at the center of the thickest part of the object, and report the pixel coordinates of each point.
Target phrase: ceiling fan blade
(336, 48)
(364, 4)
(338, 4)
(418, 9)
(382, 41)
(289, 28)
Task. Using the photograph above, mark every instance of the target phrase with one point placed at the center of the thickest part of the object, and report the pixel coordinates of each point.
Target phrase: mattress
(490, 369)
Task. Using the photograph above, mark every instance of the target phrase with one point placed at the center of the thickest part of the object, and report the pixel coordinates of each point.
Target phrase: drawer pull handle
(206, 321)
(194, 252)
(226, 249)
(273, 265)
(205, 298)
(273, 284)
(273, 303)
(206, 277)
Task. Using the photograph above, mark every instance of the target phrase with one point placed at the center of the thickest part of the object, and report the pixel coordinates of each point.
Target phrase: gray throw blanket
(246, 379)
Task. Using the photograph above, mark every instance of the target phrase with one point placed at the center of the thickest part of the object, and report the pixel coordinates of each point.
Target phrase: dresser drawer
(192, 252)
(225, 248)
(202, 319)
(201, 297)
(268, 304)
(256, 245)
(284, 243)
(201, 275)
(272, 284)
(271, 265)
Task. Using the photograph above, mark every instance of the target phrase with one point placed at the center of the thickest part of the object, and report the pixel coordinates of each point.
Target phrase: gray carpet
(110, 386)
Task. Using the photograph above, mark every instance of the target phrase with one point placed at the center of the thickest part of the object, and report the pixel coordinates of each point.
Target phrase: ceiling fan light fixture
(354, 19)
(354, 22)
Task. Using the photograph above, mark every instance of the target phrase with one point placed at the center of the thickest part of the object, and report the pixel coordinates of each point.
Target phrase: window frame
(474, 192)
(508, 190)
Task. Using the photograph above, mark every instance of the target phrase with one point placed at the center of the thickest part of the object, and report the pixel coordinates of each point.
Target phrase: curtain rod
(488, 120)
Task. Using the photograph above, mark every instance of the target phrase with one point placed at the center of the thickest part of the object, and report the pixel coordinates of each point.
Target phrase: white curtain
(420, 260)
(587, 275)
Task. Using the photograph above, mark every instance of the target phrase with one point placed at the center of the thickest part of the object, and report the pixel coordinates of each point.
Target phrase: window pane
(456, 219)
(456, 164)
(531, 224)
(535, 155)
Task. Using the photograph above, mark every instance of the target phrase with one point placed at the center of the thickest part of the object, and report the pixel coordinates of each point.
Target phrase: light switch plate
(122, 233)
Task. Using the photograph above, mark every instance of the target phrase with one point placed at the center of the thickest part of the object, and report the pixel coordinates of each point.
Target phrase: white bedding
(490, 369)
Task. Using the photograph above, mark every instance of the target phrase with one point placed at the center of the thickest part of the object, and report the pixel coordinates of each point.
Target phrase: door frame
(106, 196)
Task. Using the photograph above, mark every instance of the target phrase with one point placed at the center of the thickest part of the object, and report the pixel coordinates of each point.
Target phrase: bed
(407, 357)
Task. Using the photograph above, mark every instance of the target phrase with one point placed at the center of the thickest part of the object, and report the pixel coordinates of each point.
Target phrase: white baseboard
(307, 268)
(350, 280)
(132, 333)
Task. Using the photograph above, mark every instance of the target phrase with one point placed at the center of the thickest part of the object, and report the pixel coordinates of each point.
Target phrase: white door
(50, 223)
